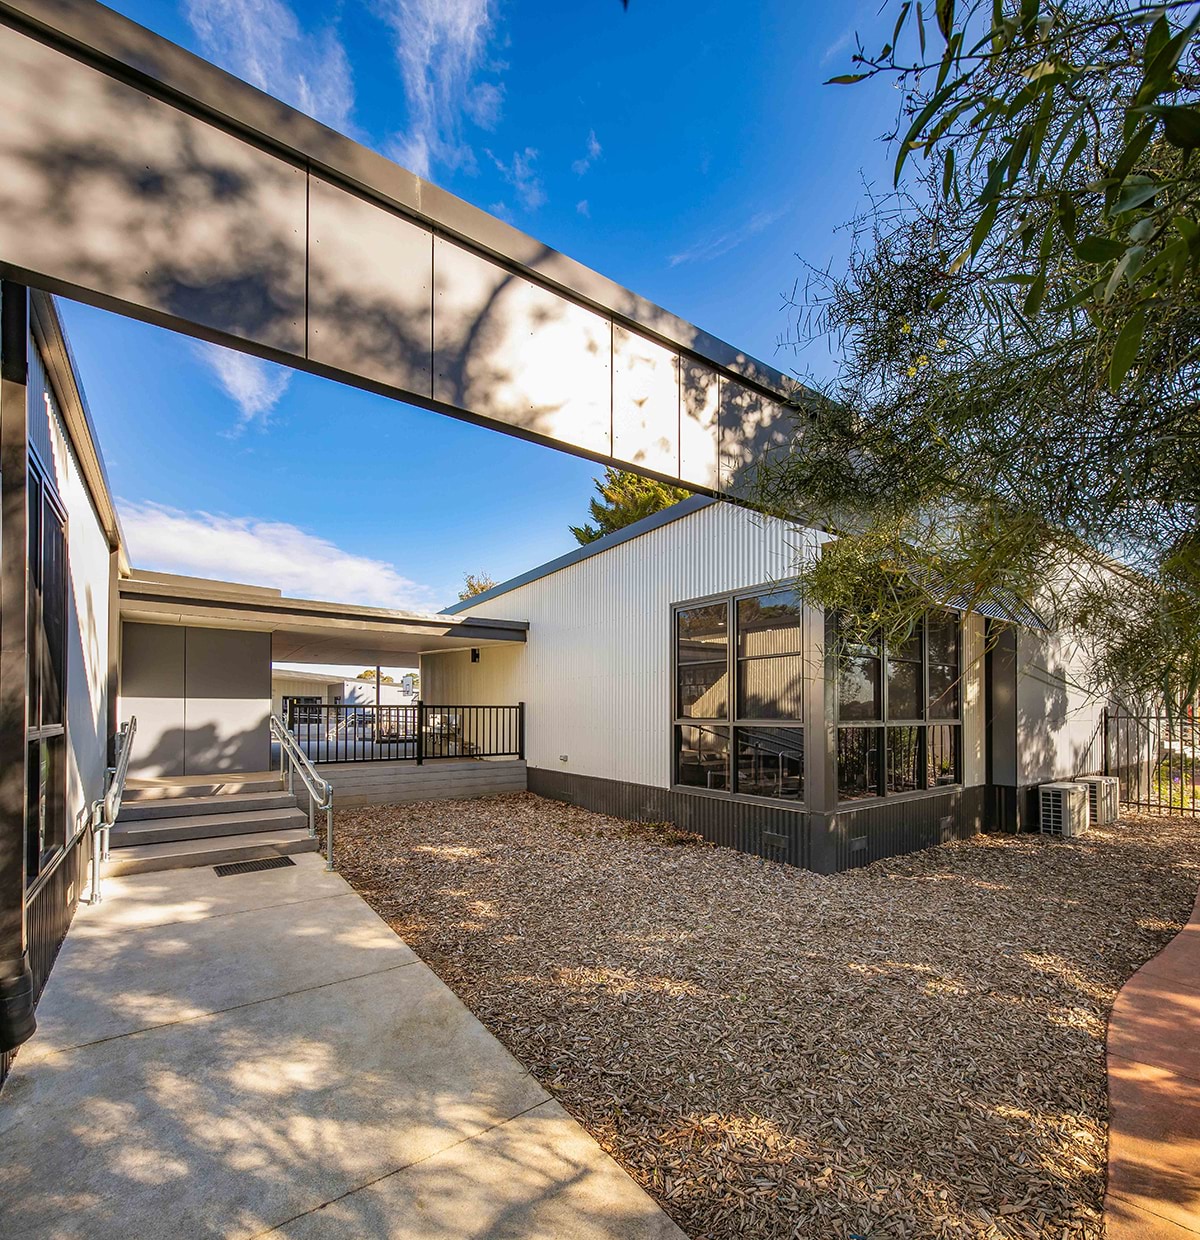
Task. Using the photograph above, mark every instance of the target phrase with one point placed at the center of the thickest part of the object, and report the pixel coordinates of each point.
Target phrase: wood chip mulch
(912, 1049)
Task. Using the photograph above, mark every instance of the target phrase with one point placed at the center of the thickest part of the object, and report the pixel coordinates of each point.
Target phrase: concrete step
(188, 854)
(206, 826)
(138, 789)
(226, 803)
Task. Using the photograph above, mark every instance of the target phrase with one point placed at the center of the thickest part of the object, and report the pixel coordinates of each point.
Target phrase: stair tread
(222, 802)
(142, 790)
(184, 854)
(187, 822)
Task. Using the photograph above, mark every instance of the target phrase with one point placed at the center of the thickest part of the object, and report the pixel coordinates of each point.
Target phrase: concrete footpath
(261, 1054)
(1154, 1097)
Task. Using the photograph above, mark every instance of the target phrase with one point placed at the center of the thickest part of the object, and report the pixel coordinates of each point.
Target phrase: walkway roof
(304, 630)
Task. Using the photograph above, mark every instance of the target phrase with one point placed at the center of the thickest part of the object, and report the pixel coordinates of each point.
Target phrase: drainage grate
(251, 867)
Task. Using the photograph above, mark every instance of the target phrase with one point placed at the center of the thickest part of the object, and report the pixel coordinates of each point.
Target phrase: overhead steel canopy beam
(140, 178)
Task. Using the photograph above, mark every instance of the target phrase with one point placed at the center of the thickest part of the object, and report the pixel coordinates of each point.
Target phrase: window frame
(37, 733)
(884, 723)
(734, 722)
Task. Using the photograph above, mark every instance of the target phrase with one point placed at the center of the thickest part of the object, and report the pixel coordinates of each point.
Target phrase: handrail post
(420, 746)
(312, 817)
(329, 835)
(96, 896)
(521, 731)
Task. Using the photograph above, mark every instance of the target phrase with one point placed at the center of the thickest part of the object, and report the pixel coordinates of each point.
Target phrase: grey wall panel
(394, 783)
(645, 402)
(227, 684)
(107, 188)
(699, 392)
(370, 290)
(889, 827)
(762, 830)
(152, 690)
(509, 350)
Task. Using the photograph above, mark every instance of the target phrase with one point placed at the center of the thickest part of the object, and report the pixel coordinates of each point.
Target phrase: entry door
(45, 716)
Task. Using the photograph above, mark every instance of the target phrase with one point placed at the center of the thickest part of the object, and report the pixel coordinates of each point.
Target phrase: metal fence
(416, 733)
(1155, 756)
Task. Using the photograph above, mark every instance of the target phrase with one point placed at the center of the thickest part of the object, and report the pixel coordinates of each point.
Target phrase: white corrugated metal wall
(87, 604)
(595, 672)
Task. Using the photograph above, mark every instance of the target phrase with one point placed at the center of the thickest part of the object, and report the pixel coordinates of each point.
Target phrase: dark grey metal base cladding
(853, 837)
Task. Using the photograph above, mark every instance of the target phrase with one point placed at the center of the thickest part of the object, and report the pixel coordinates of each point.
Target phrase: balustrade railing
(418, 733)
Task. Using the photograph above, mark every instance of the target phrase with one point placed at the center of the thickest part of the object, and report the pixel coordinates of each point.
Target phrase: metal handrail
(116, 788)
(320, 791)
(104, 810)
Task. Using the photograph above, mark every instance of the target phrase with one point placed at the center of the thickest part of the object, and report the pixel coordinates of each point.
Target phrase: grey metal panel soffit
(138, 177)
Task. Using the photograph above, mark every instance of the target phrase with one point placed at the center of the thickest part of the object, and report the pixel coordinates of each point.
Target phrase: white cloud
(583, 208)
(843, 43)
(266, 553)
(484, 104)
(262, 42)
(440, 46)
(255, 386)
(594, 151)
(721, 243)
(520, 173)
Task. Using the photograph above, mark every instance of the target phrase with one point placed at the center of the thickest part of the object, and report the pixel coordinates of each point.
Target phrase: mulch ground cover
(911, 1049)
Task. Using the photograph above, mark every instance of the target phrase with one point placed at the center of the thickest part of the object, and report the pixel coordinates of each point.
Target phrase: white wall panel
(508, 349)
(87, 601)
(973, 710)
(595, 672)
(1056, 715)
(645, 402)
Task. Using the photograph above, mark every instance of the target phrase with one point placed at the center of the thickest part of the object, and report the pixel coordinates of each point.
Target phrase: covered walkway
(260, 1054)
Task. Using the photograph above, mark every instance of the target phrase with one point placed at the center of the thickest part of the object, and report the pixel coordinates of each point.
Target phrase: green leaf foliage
(623, 497)
(1017, 409)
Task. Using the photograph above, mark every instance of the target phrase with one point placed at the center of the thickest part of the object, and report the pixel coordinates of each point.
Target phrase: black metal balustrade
(1157, 759)
(416, 733)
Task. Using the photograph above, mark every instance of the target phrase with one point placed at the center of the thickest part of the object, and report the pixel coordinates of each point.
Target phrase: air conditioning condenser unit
(1063, 809)
(1104, 798)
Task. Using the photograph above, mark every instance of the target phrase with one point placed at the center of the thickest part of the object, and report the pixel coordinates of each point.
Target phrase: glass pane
(770, 624)
(943, 692)
(702, 757)
(771, 688)
(909, 648)
(858, 763)
(858, 688)
(942, 763)
(904, 690)
(702, 633)
(45, 809)
(703, 690)
(54, 614)
(943, 628)
(33, 663)
(770, 762)
(903, 759)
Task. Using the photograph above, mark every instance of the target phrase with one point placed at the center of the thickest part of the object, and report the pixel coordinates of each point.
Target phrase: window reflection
(702, 757)
(770, 762)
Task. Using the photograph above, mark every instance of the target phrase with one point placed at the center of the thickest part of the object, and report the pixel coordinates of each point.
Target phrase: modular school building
(672, 674)
(666, 672)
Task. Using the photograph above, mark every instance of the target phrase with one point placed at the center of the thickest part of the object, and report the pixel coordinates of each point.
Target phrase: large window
(45, 762)
(739, 696)
(898, 712)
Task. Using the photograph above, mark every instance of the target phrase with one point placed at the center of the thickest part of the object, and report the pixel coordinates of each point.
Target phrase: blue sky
(685, 148)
